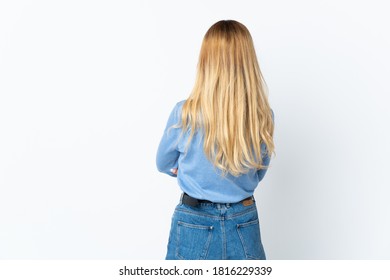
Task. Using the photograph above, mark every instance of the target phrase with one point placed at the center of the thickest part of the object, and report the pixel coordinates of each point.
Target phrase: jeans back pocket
(249, 234)
(193, 241)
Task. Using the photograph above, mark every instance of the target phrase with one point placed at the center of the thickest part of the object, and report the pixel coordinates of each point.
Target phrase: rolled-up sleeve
(167, 152)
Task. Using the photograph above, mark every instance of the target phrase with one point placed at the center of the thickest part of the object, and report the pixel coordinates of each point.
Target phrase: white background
(86, 88)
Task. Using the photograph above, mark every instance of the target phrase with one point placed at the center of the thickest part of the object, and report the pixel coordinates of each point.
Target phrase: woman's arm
(261, 172)
(167, 152)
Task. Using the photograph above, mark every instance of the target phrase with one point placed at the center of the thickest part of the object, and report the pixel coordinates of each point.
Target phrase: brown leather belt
(191, 201)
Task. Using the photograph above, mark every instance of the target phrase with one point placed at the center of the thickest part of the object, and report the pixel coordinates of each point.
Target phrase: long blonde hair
(229, 101)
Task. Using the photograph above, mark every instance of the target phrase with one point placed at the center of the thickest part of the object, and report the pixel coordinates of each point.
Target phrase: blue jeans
(215, 231)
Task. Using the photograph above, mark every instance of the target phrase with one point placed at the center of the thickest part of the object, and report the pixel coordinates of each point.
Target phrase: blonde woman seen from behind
(218, 143)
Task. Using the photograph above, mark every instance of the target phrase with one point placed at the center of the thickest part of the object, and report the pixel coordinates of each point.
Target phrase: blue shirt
(196, 174)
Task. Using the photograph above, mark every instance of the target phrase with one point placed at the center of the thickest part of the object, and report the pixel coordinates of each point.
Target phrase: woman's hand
(174, 171)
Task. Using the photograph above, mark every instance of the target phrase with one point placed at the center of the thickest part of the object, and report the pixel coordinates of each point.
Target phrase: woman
(218, 143)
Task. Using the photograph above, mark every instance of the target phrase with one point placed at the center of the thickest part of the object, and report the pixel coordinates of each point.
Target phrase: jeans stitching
(216, 217)
(223, 239)
(198, 214)
(256, 221)
(243, 243)
(177, 242)
(193, 225)
(235, 214)
(243, 213)
(206, 246)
